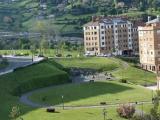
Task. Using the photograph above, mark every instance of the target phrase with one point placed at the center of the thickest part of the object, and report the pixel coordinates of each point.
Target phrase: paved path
(152, 87)
(24, 98)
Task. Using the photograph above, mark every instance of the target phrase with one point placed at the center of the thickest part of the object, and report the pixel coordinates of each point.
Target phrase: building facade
(110, 36)
(149, 45)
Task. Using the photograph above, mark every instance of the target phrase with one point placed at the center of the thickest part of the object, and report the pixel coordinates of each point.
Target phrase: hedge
(41, 81)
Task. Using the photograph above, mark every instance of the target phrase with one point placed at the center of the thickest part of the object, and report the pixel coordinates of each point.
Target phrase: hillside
(68, 16)
(43, 74)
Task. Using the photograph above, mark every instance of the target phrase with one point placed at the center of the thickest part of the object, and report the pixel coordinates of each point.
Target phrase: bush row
(41, 81)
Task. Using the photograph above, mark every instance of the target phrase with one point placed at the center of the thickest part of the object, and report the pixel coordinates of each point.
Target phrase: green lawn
(136, 75)
(48, 53)
(80, 114)
(103, 64)
(92, 94)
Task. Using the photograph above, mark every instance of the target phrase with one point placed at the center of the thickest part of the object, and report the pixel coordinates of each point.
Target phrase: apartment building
(149, 45)
(111, 35)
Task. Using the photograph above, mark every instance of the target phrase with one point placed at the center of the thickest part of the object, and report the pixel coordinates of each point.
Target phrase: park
(50, 83)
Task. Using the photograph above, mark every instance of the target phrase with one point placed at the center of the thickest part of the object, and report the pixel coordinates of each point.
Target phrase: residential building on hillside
(111, 35)
(149, 45)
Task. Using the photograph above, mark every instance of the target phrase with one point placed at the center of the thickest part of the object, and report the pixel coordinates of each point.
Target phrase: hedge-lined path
(24, 98)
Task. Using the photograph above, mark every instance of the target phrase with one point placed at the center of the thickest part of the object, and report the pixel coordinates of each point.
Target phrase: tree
(47, 31)
(44, 45)
(126, 111)
(155, 111)
(15, 113)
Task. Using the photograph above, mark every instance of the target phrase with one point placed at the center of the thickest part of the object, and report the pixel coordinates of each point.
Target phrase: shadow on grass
(77, 92)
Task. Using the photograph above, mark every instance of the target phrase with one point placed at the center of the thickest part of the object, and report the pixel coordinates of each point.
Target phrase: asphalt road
(16, 62)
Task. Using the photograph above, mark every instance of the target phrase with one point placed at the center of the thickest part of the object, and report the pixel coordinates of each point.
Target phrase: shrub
(59, 55)
(126, 111)
(123, 80)
(15, 113)
(51, 110)
(140, 117)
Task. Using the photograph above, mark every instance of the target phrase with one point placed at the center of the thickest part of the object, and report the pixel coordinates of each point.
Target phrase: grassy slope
(93, 94)
(90, 62)
(10, 81)
(136, 75)
(131, 73)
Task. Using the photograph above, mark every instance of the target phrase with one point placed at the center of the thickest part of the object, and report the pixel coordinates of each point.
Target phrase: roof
(96, 23)
(106, 21)
(157, 20)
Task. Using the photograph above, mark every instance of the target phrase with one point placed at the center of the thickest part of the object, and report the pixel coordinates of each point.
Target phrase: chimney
(158, 18)
(94, 18)
(149, 18)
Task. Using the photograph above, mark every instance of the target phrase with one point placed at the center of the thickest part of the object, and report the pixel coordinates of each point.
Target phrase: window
(103, 38)
(102, 43)
(102, 27)
(94, 27)
(95, 33)
(102, 32)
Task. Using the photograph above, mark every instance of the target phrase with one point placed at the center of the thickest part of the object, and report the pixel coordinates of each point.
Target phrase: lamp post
(104, 113)
(158, 78)
(62, 101)
(142, 109)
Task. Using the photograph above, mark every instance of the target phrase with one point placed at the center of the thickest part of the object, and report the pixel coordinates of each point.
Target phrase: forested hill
(68, 16)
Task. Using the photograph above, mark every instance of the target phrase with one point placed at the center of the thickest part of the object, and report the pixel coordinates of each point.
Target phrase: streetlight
(142, 109)
(62, 101)
(104, 113)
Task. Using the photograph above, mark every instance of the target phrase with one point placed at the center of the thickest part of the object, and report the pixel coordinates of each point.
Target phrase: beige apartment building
(111, 35)
(149, 45)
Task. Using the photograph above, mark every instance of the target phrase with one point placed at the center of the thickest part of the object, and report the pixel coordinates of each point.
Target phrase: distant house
(120, 4)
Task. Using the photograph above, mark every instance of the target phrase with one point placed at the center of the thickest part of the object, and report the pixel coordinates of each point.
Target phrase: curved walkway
(25, 97)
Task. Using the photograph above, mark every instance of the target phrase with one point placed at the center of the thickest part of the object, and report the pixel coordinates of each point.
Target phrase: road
(16, 62)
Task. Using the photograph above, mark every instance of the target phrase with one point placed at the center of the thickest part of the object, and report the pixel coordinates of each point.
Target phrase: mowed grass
(76, 114)
(102, 64)
(136, 75)
(32, 77)
(92, 94)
